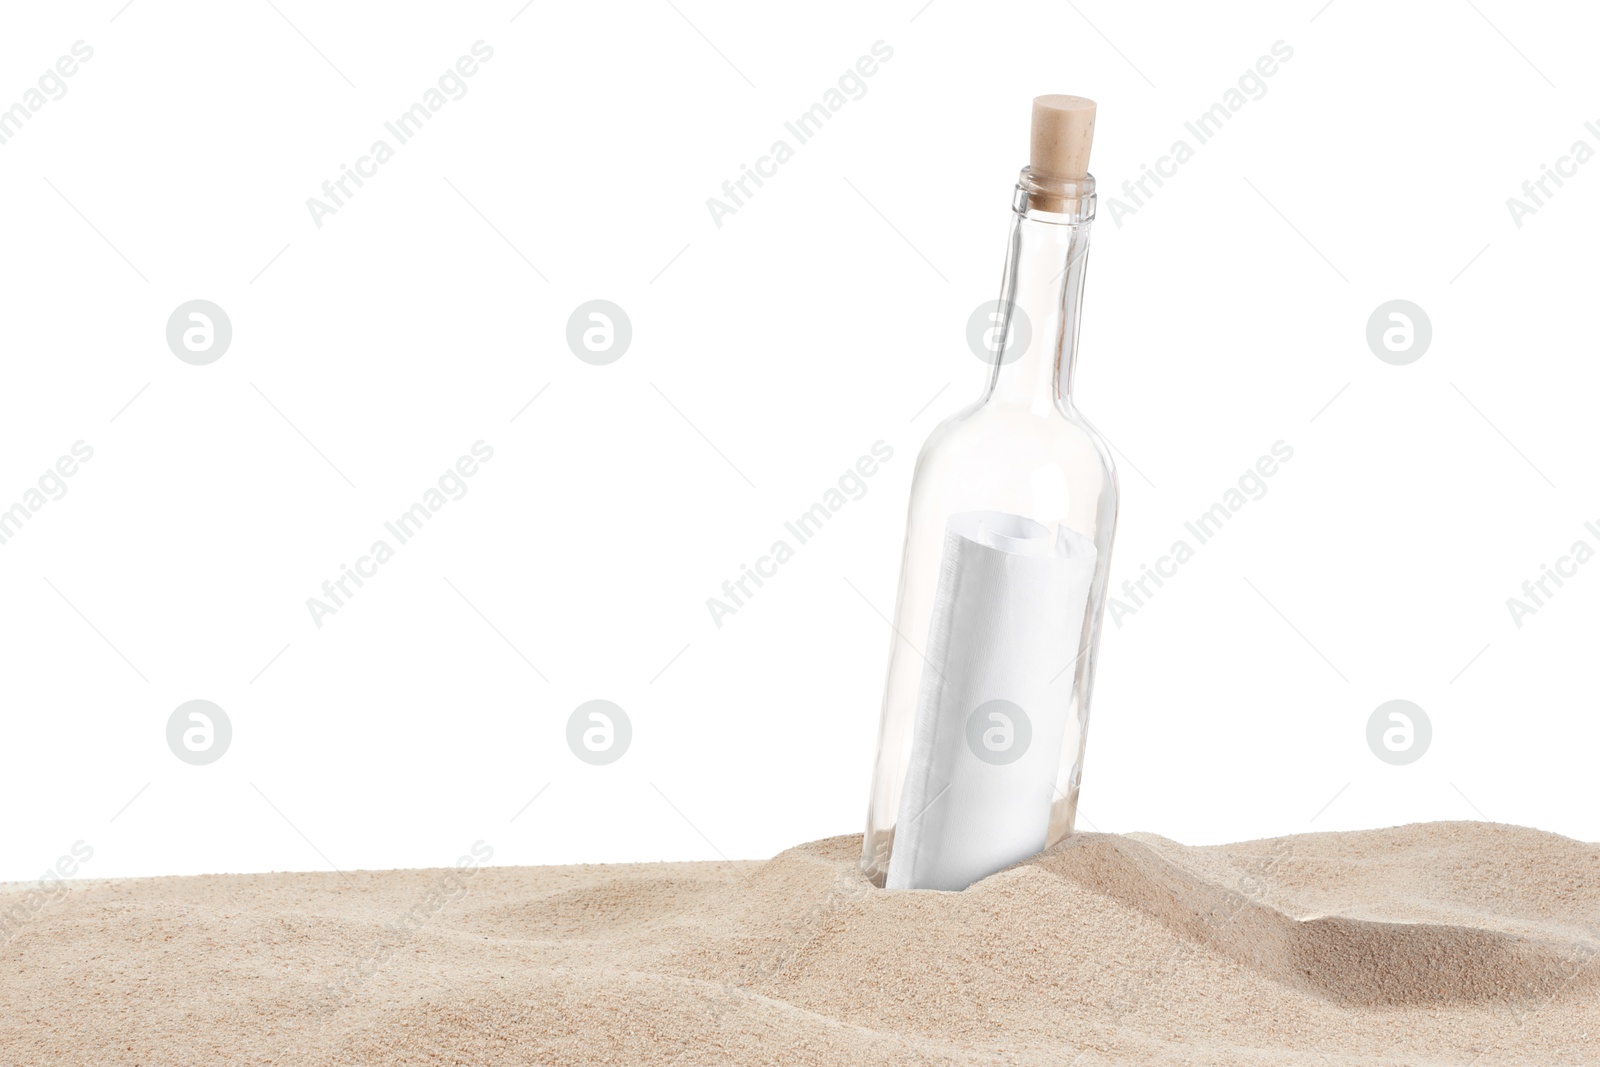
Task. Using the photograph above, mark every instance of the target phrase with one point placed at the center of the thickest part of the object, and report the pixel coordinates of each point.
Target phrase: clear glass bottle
(1022, 449)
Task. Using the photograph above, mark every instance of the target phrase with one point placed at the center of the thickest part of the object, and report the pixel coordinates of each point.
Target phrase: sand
(1441, 943)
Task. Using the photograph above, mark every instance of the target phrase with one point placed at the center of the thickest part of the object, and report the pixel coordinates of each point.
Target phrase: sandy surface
(1445, 943)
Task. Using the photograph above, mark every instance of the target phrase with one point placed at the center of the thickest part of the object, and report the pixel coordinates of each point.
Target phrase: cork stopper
(1063, 130)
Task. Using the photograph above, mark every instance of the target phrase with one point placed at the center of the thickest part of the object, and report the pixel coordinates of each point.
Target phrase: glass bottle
(1022, 450)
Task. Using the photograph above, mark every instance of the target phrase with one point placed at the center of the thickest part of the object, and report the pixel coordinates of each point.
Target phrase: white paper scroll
(1008, 615)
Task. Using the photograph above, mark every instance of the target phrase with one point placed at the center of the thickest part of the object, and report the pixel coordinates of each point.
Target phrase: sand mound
(1511, 951)
(1445, 943)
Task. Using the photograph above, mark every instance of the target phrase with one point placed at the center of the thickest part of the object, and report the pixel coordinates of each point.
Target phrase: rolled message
(986, 746)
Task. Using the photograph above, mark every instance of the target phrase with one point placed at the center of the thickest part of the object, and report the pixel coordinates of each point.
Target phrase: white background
(1226, 314)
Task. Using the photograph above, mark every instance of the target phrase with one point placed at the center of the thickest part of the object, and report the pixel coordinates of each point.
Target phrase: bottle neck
(1042, 293)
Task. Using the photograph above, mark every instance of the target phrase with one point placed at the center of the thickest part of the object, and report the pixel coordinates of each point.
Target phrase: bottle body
(1024, 452)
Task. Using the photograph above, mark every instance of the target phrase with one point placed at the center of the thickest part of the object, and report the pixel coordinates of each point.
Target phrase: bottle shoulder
(1050, 465)
(991, 433)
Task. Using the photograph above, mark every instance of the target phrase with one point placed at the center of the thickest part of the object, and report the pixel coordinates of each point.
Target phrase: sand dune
(1444, 943)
